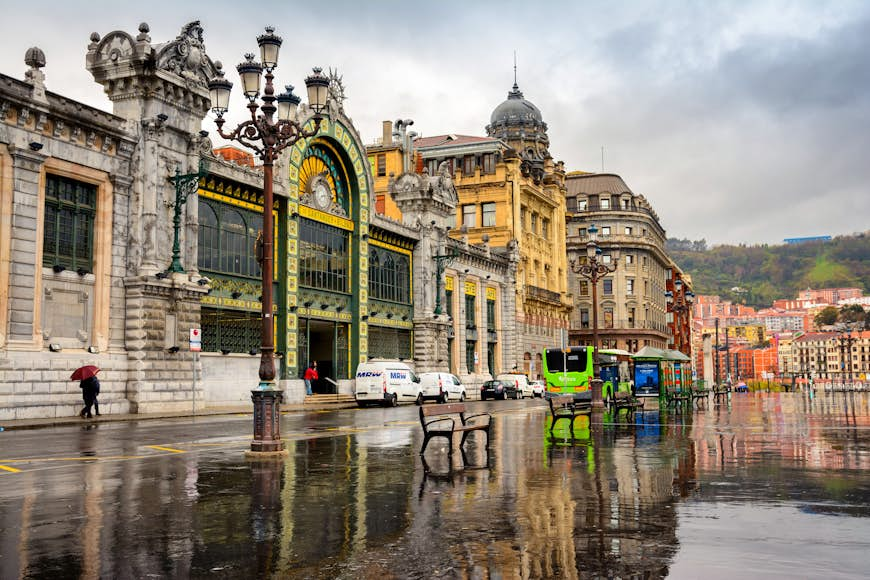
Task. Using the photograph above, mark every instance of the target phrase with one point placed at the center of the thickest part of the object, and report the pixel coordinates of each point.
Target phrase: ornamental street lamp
(185, 186)
(441, 263)
(594, 270)
(267, 137)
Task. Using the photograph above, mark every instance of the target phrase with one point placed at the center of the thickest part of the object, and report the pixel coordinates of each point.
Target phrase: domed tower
(519, 123)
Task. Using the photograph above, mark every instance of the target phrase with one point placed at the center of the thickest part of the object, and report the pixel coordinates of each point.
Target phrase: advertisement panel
(646, 378)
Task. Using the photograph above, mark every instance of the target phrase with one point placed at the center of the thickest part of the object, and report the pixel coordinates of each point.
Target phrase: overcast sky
(741, 122)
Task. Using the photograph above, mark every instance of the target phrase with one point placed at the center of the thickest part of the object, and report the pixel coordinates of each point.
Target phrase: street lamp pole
(185, 186)
(267, 137)
(594, 270)
(441, 263)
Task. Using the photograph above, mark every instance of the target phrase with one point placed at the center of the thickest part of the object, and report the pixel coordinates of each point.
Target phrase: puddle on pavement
(766, 485)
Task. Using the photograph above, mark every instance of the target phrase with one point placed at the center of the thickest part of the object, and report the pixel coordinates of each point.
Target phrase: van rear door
(369, 379)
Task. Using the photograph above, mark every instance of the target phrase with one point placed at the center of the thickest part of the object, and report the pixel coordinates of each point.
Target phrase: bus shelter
(656, 370)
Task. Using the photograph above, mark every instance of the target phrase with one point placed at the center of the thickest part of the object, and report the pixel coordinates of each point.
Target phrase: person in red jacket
(309, 376)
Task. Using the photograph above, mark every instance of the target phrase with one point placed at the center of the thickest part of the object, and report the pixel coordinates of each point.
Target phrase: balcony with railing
(543, 294)
(624, 325)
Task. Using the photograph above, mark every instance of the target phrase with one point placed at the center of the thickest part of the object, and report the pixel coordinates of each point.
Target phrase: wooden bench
(677, 397)
(700, 393)
(447, 419)
(721, 391)
(566, 407)
(627, 401)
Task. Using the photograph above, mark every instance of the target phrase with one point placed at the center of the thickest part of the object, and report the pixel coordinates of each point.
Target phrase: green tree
(851, 313)
(826, 317)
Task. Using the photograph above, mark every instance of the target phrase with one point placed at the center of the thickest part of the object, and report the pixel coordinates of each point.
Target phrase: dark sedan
(498, 390)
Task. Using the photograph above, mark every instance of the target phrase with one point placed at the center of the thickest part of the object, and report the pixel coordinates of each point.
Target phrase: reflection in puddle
(759, 485)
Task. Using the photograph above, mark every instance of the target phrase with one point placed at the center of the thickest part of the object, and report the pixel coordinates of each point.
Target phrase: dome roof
(515, 110)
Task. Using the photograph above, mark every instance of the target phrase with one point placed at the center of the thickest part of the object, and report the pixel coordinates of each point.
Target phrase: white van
(524, 387)
(386, 383)
(442, 387)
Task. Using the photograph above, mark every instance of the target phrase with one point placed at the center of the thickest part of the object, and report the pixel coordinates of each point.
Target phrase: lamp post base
(595, 388)
(267, 423)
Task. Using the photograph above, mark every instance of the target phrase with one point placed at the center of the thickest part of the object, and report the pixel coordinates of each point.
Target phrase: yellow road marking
(11, 469)
(87, 458)
(159, 448)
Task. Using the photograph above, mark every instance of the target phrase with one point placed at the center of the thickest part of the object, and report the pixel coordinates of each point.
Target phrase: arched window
(209, 238)
(389, 276)
(227, 239)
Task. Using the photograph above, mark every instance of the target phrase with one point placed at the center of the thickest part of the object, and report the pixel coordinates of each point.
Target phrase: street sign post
(195, 348)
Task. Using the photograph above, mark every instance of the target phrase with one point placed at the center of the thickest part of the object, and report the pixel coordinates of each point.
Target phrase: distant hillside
(765, 273)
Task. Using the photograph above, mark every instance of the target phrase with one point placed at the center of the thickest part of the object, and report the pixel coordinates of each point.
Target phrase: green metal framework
(324, 256)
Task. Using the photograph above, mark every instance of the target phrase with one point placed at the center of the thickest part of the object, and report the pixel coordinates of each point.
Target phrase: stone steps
(329, 400)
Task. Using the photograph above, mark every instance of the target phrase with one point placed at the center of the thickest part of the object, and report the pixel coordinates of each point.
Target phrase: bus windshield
(575, 359)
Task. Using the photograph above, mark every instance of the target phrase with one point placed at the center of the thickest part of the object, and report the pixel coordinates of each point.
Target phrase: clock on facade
(321, 194)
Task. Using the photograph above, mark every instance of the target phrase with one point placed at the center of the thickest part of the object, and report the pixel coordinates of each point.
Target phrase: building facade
(633, 310)
(91, 200)
(511, 202)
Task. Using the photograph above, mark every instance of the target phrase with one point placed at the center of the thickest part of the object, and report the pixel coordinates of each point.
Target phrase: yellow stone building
(511, 200)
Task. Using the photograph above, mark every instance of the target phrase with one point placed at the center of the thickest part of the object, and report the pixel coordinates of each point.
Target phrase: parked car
(521, 385)
(538, 388)
(442, 387)
(386, 383)
(498, 389)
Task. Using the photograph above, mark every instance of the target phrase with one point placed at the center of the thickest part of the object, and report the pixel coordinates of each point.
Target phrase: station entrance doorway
(326, 342)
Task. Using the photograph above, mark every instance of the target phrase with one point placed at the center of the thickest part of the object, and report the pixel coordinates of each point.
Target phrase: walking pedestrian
(309, 376)
(90, 389)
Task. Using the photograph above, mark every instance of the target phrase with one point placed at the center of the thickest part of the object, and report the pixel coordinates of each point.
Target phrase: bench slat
(444, 409)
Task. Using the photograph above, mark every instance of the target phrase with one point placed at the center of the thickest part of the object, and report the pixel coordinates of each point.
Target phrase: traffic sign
(195, 339)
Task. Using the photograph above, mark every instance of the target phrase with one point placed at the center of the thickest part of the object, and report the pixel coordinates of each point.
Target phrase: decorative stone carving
(336, 94)
(186, 57)
(115, 46)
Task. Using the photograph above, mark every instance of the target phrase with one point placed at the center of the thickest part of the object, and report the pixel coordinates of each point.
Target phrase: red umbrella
(84, 372)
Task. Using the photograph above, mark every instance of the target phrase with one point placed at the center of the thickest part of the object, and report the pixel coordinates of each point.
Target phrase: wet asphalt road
(769, 485)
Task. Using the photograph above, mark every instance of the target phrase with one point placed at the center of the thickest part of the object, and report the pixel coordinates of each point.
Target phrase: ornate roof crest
(186, 56)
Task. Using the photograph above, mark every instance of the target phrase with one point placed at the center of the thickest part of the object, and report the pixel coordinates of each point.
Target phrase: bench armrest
(467, 418)
(440, 420)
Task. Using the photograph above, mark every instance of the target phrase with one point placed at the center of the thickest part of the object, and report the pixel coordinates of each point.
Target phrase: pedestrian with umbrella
(90, 387)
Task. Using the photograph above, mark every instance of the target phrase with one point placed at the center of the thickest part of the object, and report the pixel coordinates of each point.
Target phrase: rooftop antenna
(515, 68)
(602, 159)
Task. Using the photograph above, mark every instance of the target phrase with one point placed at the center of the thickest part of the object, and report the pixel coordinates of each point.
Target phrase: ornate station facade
(90, 199)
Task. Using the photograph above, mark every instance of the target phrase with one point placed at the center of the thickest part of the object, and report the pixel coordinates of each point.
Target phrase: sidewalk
(314, 405)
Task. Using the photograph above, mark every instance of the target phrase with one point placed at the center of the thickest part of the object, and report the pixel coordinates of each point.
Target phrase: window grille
(230, 330)
(391, 343)
(68, 236)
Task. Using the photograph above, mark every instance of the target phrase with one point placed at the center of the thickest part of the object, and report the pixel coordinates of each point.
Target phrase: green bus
(567, 372)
